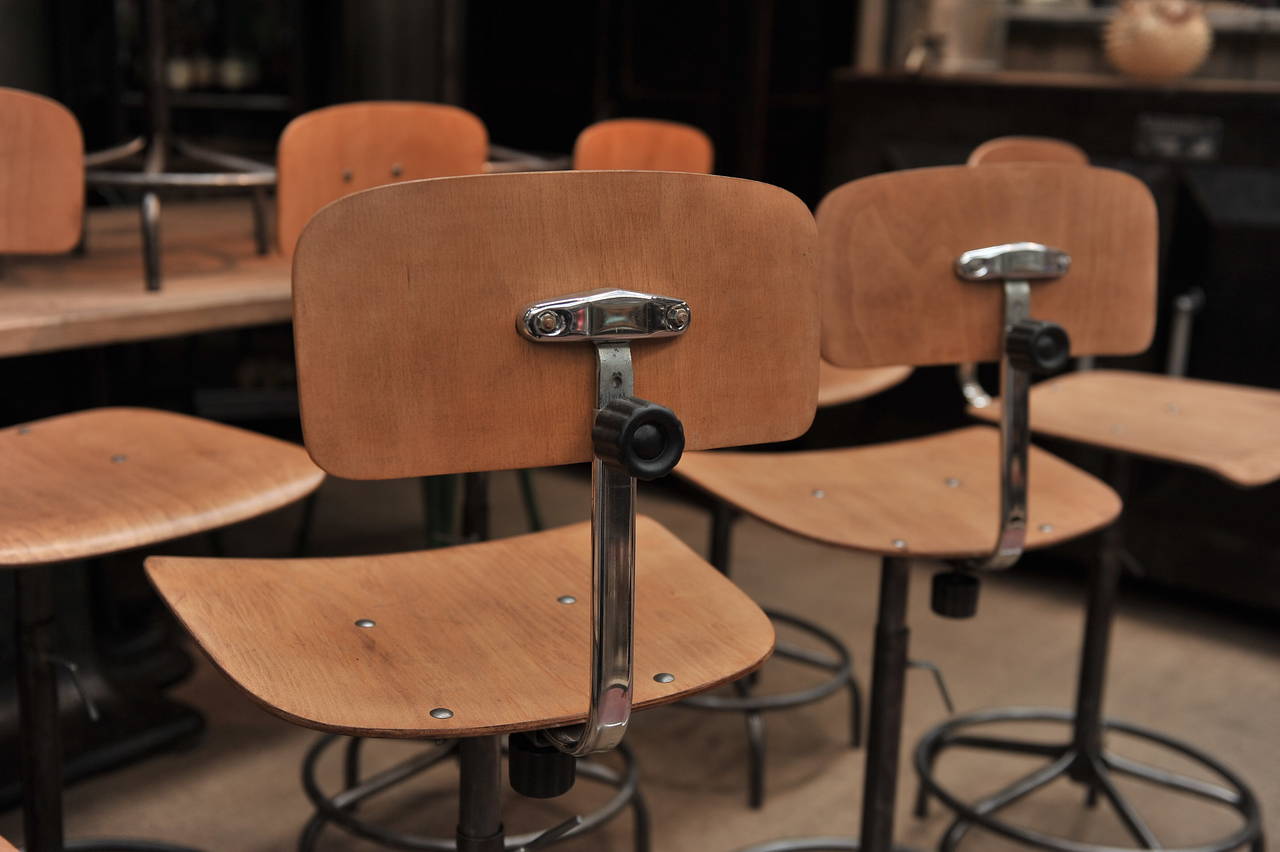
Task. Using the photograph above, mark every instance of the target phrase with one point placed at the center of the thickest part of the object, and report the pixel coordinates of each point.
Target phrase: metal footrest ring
(814, 844)
(339, 808)
(839, 669)
(1092, 770)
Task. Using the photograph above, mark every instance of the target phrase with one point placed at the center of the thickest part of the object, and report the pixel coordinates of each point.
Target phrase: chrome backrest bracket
(610, 319)
(1015, 266)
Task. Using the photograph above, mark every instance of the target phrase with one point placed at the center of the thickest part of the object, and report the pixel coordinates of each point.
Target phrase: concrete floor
(1205, 675)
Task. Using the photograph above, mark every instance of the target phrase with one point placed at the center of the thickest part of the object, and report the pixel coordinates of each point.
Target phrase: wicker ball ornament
(1158, 40)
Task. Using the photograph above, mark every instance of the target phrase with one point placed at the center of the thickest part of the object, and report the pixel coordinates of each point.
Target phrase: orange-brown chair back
(643, 144)
(1027, 149)
(41, 175)
(338, 150)
(406, 299)
(890, 241)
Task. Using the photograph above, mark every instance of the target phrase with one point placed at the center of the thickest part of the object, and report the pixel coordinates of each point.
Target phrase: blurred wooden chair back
(889, 245)
(335, 151)
(406, 299)
(1027, 149)
(41, 175)
(643, 144)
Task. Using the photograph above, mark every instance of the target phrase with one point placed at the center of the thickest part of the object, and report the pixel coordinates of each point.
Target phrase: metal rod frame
(241, 172)
(339, 808)
(1084, 758)
(613, 564)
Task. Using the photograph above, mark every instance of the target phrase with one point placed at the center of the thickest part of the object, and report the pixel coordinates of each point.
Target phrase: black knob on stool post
(539, 771)
(642, 438)
(955, 594)
(1041, 347)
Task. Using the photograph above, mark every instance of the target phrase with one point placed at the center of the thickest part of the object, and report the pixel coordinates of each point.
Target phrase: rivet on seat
(1046, 528)
(664, 677)
(566, 599)
(819, 493)
(952, 482)
(365, 622)
(442, 713)
(118, 458)
(900, 544)
(347, 175)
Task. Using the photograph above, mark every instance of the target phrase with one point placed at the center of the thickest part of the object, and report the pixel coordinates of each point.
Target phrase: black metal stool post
(41, 746)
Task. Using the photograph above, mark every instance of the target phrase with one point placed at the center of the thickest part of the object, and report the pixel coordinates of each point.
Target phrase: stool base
(339, 808)
(1093, 770)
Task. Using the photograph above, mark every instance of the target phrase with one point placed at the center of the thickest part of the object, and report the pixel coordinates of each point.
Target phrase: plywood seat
(110, 479)
(1228, 430)
(477, 629)
(937, 495)
(838, 385)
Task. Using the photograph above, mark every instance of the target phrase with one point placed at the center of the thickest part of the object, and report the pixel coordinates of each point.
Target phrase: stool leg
(722, 518)
(884, 729)
(41, 747)
(480, 795)
(1103, 589)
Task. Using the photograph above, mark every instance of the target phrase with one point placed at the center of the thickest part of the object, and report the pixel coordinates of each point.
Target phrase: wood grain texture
(838, 385)
(335, 151)
(872, 495)
(41, 175)
(110, 479)
(1027, 149)
(476, 629)
(644, 144)
(889, 244)
(213, 280)
(1229, 430)
(424, 372)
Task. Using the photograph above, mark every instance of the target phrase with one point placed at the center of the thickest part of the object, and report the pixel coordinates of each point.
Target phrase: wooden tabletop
(213, 279)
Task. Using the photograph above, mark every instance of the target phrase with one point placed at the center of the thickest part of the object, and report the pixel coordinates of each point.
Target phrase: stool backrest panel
(643, 144)
(335, 151)
(406, 298)
(1027, 149)
(41, 175)
(889, 245)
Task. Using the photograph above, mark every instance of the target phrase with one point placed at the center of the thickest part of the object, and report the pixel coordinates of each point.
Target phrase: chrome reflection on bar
(1016, 265)
(609, 319)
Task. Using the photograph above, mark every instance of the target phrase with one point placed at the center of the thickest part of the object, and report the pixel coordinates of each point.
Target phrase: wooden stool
(97, 482)
(460, 356)
(1230, 431)
(921, 267)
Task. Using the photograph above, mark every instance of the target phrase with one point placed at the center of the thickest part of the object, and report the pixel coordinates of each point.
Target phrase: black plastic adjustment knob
(539, 771)
(955, 594)
(642, 438)
(1041, 347)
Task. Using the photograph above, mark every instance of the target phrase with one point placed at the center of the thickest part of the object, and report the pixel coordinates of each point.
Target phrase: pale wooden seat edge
(478, 629)
(936, 495)
(1228, 430)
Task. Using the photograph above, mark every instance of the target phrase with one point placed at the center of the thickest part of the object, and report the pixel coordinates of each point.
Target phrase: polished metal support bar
(1015, 439)
(610, 319)
(613, 559)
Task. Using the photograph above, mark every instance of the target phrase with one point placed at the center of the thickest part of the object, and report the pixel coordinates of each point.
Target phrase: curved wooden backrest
(335, 151)
(406, 298)
(643, 144)
(41, 175)
(889, 244)
(1027, 149)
